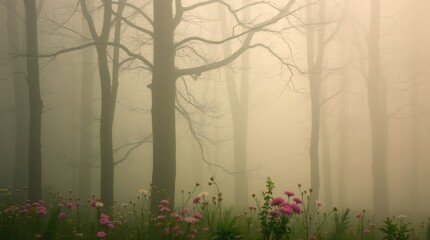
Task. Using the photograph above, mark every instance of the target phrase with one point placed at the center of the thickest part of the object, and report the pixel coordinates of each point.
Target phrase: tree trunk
(378, 116)
(86, 129)
(36, 105)
(325, 149)
(239, 113)
(163, 105)
(20, 87)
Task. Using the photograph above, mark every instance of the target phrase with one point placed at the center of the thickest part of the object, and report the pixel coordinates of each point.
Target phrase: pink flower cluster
(27, 208)
(175, 223)
(281, 207)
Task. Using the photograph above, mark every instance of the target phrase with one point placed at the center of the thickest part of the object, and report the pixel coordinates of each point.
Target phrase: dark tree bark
(20, 87)
(107, 101)
(163, 104)
(36, 105)
(378, 116)
(86, 129)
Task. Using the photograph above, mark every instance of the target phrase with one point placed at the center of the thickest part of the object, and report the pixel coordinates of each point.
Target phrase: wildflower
(41, 210)
(287, 210)
(190, 220)
(143, 191)
(277, 201)
(250, 207)
(366, 231)
(185, 210)
(175, 229)
(203, 194)
(196, 199)
(289, 194)
(98, 204)
(165, 209)
(273, 213)
(166, 231)
(110, 225)
(160, 217)
(61, 216)
(319, 203)
(296, 208)
(197, 215)
(70, 205)
(401, 217)
(297, 200)
(101, 234)
(103, 221)
(164, 202)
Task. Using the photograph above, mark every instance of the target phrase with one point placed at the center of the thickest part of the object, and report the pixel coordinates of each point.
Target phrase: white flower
(99, 204)
(143, 191)
(203, 194)
(319, 203)
(401, 216)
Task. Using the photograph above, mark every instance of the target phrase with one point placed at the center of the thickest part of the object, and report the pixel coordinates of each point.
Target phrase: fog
(329, 94)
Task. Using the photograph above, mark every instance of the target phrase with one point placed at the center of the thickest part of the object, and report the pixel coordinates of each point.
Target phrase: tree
(378, 115)
(109, 89)
(165, 74)
(18, 76)
(36, 105)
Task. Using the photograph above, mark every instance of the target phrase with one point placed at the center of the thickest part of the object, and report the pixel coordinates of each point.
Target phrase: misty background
(321, 62)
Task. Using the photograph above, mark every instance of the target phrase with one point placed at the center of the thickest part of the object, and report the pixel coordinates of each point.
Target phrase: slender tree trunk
(326, 156)
(20, 87)
(163, 105)
(315, 59)
(378, 116)
(239, 111)
(36, 105)
(343, 146)
(86, 130)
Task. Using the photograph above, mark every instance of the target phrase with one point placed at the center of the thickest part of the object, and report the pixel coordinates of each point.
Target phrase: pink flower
(319, 203)
(297, 200)
(190, 220)
(110, 225)
(103, 221)
(165, 209)
(277, 201)
(92, 202)
(296, 208)
(166, 231)
(175, 216)
(101, 234)
(61, 216)
(273, 213)
(366, 231)
(175, 229)
(205, 229)
(197, 215)
(164, 202)
(160, 217)
(196, 199)
(289, 194)
(287, 210)
(41, 210)
(185, 210)
(70, 205)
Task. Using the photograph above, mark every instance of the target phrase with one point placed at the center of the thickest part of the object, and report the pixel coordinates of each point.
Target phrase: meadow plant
(275, 213)
(395, 228)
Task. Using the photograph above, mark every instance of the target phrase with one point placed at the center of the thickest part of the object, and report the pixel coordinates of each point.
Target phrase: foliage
(199, 216)
(395, 230)
(341, 224)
